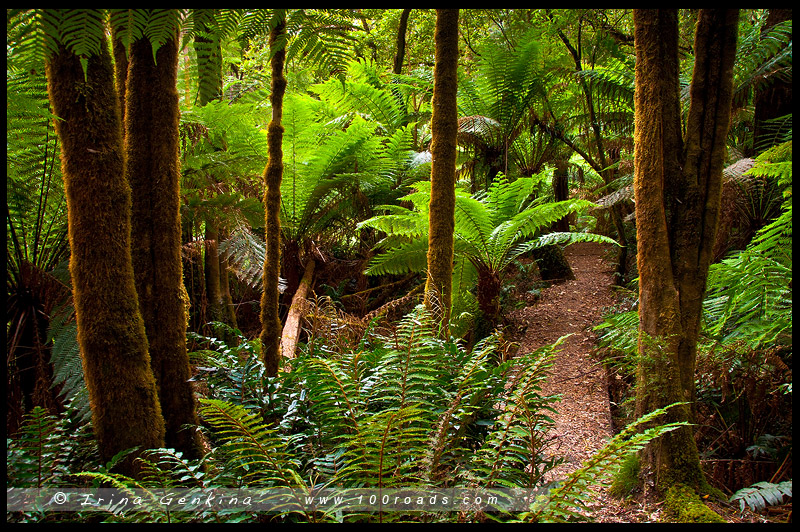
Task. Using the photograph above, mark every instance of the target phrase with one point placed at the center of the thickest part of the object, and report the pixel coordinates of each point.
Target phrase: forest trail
(583, 422)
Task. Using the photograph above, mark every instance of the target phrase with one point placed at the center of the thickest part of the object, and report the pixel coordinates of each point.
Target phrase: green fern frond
(256, 454)
(380, 453)
(568, 500)
(404, 258)
(35, 451)
(762, 494)
(66, 359)
(80, 31)
(411, 367)
(128, 24)
(166, 468)
(335, 389)
(762, 57)
(471, 384)
(512, 454)
(323, 36)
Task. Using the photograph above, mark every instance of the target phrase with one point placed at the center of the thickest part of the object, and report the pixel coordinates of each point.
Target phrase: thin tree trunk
(444, 129)
(228, 307)
(400, 44)
(677, 187)
(153, 171)
(273, 174)
(212, 273)
(122, 391)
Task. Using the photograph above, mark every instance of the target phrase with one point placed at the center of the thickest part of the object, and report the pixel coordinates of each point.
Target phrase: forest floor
(583, 423)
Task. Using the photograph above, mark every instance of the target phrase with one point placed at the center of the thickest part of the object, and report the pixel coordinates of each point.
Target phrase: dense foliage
(375, 398)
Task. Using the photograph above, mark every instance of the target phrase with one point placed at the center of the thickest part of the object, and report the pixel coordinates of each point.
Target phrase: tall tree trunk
(122, 391)
(677, 185)
(152, 147)
(400, 43)
(444, 129)
(273, 175)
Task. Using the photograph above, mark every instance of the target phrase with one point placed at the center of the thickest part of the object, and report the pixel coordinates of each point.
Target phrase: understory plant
(397, 409)
(492, 229)
(743, 376)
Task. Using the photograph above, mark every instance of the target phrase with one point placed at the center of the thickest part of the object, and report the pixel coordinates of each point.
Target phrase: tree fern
(762, 57)
(492, 229)
(759, 310)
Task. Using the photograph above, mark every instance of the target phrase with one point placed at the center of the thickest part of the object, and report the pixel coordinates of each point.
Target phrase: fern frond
(66, 359)
(380, 453)
(762, 494)
(567, 501)
(256, 454)
(512, 454)
(35, 452)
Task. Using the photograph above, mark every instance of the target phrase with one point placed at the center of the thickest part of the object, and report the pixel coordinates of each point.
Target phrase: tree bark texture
(111, 333)
(273, 174)
(152, 147)
(444, 131)
(677, 184)
(291, 331)
(400, 44)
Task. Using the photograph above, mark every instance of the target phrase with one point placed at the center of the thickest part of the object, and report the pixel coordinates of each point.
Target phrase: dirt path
(583, 422)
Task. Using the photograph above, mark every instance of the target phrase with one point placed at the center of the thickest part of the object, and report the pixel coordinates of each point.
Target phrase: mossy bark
(273, 175)
(677, 183)
(153, 172)
(444, 131)
(122, 391)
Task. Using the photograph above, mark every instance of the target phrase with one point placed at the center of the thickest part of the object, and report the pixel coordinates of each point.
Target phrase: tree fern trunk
(153, 172)
(125, 408)
(273, 174)
(444, 129)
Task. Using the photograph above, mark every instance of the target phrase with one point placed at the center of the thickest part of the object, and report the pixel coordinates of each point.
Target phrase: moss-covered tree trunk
(153, 172)
(273, 175)
(444, 130)
(122, 391)
(677, 186)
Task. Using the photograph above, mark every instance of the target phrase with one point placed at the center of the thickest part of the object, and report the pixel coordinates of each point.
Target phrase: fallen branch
(291, 330)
